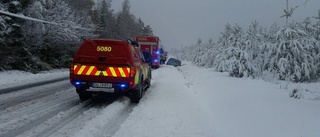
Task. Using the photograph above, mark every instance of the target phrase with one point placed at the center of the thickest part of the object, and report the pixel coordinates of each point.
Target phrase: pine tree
(106, 20)
(3, 26)
(124, 21)
(128, 25)
(13, 51)
(288, 12)
(234, 58)
(317, 27)
(290, 55)
(209, 56)
(82, 12)
(52, 45)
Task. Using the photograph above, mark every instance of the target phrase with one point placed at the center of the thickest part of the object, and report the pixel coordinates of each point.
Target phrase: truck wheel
(82, 95)
(137, 94)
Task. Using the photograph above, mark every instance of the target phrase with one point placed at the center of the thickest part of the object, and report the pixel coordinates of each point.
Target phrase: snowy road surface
(182, 102)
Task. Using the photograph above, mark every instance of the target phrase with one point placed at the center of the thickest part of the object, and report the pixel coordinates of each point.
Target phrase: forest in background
(34, 46)
(290, 53)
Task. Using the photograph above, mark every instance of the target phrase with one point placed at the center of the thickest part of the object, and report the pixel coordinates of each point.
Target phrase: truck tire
(84, 97)
(137, 93)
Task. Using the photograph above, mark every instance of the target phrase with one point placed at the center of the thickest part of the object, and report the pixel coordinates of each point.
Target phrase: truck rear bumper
(106, 90)
(87, 81)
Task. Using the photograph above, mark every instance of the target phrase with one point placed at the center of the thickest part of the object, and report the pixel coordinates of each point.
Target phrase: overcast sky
(182, 22)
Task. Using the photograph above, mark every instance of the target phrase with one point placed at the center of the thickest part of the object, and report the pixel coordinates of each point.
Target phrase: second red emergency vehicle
(152, 45)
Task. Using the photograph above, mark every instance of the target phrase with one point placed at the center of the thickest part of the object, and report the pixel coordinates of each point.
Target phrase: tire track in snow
(51, 109)
(20, 117)
(109, 120)
(61, 119)
(39, 92)
(114, 126)
(68, 117)
(33, 109)
(19, 130)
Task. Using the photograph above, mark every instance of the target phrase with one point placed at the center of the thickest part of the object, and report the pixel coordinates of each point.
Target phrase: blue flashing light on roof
(158, 52)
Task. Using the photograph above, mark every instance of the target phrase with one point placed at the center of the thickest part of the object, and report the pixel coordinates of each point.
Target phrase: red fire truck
(152, 45)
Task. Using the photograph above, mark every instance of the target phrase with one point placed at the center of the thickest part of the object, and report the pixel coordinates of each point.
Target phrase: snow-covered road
(52, 109)
(182, 102)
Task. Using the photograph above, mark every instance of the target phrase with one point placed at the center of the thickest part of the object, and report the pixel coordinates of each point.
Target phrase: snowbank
(16, 78)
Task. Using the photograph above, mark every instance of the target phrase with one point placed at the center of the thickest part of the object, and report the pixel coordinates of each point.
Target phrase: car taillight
(132, 72)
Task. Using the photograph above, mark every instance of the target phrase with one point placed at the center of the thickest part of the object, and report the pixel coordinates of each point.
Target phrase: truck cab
(113, 66)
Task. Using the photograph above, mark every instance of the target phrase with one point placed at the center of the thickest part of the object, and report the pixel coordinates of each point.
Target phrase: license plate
(102, 85)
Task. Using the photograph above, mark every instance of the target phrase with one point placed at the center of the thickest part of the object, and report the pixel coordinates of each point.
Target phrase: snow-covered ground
(17, 78)
(188, 101)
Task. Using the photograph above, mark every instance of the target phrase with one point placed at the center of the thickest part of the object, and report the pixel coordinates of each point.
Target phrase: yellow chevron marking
(113, 72)
(97, 73)
(104, 73)
(122, 72)
(90, 70)
(75, 67)
(128, 69)
(81, 69)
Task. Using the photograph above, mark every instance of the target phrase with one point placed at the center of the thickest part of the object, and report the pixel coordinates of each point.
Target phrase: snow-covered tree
(37, 45)
(288, 12)
(82, 16)
(252, 41)
(120, 25)
(3, 26)
(128, 25)
(208, 57)
(144, 30)
(200, 54)
(235, 57)
(186, 53)
(316, 42)
(12, 52)
(316, 27)
(50, 45)
(290, 53)
(197, 52)
(105, 20)
(124, 21)
(290, 56)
